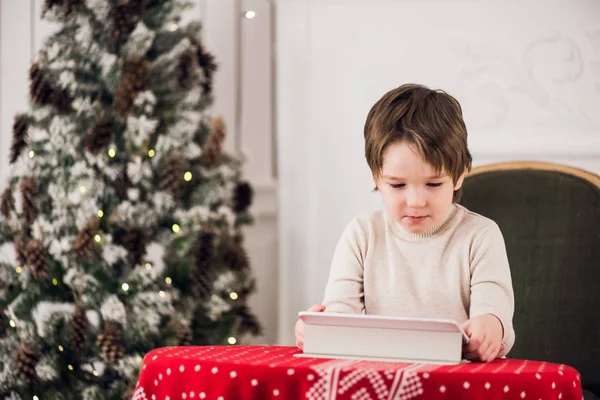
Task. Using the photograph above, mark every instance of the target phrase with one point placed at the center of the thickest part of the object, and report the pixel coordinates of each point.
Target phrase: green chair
(549, 215)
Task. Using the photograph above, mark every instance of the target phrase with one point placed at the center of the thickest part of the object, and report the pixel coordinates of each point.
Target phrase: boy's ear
(460, 180)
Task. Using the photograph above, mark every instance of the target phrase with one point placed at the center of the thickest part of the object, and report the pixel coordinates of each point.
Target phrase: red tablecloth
(272, 372)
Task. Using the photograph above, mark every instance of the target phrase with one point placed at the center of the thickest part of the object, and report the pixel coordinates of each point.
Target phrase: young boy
(425, 255)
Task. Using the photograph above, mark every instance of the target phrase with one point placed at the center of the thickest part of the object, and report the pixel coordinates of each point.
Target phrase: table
(272, 372)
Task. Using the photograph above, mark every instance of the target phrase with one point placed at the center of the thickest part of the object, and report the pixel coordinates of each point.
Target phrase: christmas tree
(124, 212)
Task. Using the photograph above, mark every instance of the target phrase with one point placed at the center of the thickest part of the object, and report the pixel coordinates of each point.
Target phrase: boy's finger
(317, 308)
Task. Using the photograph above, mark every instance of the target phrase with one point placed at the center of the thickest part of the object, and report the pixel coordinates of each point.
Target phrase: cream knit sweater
(456, 270)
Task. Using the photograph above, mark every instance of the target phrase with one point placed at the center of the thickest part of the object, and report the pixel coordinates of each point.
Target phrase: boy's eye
(397, 185)
(434, 184)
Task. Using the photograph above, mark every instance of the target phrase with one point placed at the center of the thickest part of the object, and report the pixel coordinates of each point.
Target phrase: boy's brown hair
(430, 120)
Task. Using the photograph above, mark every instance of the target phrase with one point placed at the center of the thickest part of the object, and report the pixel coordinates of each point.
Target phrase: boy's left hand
(485, 338)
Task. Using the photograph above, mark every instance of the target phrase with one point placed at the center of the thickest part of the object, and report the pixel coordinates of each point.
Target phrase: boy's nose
(415, 198)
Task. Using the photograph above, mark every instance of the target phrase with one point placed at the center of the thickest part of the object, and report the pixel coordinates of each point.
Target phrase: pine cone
(43, 93)
(242, 197)
(36, 259)
(84, 241)
(184, 69)
(7, 203)
(39, 88)
(135, 241)
(21, 251)
(111, 343)
(129, 392)
(202, 274)
(171, 177)
(206, 61)
(25, 362)
(248, 322)
(19, 139)
(29, 192)
(184, 335)
(3, 323)
(234, 255)
(100, 135)
(68, 6)
(78, 327)
(214, 144)
(134, 79)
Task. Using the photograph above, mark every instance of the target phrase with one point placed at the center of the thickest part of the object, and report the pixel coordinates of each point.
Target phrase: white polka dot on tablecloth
(553, 385)
(443, 389)
(233, 374)
(466, 385)
(310, 377)
(160, 377)
(181, 368)
(574, 384)
(523, 394)
(426, 375)
(153, 397)
(183, 395)
(192, 394)
(560, 396)
(538, 376)
(290, 371)
(197, 368)
(155, 382)
(154, 358)
(275, 392)
(202, 395)
(506, 389)
(214, 370)
(220, 398)
(167, 398)
(488, 386)
(254, 382)
(168, 371)
(560, 372)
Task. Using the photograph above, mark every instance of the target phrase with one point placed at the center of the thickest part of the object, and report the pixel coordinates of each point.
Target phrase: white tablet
(383, 322)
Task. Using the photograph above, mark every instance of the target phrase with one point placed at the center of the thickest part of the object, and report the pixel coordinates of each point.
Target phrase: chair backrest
(549, 215)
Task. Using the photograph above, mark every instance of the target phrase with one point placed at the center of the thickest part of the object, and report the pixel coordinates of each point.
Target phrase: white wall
(22, 34)
(527, 73)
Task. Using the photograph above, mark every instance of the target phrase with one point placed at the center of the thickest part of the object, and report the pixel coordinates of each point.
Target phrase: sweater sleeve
(344, 292)
(491, 283)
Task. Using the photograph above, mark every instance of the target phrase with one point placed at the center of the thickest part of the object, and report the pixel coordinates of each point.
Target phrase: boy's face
(413, 193)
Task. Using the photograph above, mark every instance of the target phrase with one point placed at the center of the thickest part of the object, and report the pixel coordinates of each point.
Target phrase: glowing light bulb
(233, 295)
(249, 14)
(31, 154)
(231, 340)
(98, 238)
(112, 152)
(125, 287)
(176, 228)
(151, 153)
(100, 213)
(187, 176)
(168, 280)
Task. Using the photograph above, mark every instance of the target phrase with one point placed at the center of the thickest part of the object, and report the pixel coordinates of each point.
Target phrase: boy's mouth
(416, 218)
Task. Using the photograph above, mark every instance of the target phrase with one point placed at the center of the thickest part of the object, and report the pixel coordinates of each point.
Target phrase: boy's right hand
(300, 325)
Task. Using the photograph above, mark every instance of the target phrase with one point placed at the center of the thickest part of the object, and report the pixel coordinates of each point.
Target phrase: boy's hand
(485, 338)
(300, 325)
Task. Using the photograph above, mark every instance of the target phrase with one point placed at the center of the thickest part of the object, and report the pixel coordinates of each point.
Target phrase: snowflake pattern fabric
(275, 372)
